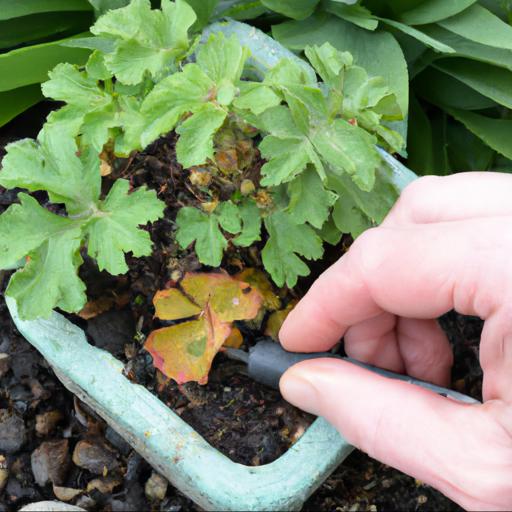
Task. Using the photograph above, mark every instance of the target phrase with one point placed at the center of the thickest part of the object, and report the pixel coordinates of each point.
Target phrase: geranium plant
(315, 124)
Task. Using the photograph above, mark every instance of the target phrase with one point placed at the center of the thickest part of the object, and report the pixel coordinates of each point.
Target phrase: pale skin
(447, 244)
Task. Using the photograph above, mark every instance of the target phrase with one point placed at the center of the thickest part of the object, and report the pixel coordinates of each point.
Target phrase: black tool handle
(268, 361)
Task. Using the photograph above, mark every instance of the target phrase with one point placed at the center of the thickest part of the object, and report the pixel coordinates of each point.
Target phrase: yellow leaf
(235, 339)
(173, 305)
(260, 281)
(276, 320)
(228, 297)
(185, 352)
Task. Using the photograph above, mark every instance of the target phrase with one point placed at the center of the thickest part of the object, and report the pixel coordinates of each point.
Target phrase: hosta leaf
(195, 146)
(488, 80)
(229, 298)
(431, 11)
(251, 224)
(204, 11)
(296, 9)
(496, 133)
(480, 25)
(309, 200)
(115, 231)
(356, 14)
(203, 229)
(287, 241)
(173, 305)
(185, 352)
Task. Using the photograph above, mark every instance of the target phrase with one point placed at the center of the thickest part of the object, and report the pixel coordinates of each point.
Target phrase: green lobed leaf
(287, 242)
(229, 217)
(356, 14)
(310, 202)
(251, 224)
(114, 230)
(348, 218)
(203, 229)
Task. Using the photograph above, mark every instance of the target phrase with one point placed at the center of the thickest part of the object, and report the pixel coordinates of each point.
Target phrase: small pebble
(5, 364)
(4, 473)
(50, 462)
(12, 431)
(95, 456)
(156, 487)
(47, 421)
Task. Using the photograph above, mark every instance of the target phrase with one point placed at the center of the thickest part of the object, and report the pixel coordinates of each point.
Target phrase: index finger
(420, 271)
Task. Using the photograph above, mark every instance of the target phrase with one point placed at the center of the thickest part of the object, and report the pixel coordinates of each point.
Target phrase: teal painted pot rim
(169, 444)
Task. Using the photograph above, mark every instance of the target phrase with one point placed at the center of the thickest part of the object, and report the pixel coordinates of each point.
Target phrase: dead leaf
(66, 493)
(104, 485)
(228, 297)
(184, 352)
(258, 279)
(235, 339)
(172, 304)
(276, 320)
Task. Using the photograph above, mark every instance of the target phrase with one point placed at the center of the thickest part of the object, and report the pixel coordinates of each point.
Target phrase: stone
(5, 364)
(47, 421)
(95, 456)
(50, 462)
(156, 487)
(12, 432)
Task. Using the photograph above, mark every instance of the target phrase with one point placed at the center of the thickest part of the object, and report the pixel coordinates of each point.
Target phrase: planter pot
(172, 447)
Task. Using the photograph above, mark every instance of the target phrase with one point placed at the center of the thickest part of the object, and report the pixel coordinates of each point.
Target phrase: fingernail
(299, 392)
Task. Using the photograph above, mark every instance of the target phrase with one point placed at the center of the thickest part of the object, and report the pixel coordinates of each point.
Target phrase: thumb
(434, 439)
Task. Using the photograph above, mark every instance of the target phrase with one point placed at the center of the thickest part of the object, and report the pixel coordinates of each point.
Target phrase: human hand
(447, 244)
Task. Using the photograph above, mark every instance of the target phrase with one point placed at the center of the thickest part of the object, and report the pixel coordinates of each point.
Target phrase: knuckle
(411, 198)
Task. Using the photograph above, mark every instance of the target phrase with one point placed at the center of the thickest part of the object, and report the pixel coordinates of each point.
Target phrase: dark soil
(40, 421)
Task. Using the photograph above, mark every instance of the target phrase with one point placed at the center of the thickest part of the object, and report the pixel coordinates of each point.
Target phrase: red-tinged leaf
(229, 298)
(184, 352)
(235, 339)
(258, 279)
(173, 305)
(276, 320)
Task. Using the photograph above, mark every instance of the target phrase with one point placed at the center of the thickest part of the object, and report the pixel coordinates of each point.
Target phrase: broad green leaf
(17, 101)
(195, 146)
(480, 25)
(470, 49)
(496, 133)
(239, 9)
(251, 224)
(203, 229)
(419, 35)
(296, 9)
(356, 14)
(431, 11)
(114, 230)
(466, 151)
(39, 27)
(30, 65)
(377, 52)
(309, 200)
(420, 141)
(185, 352)
(287, 242)
(441, 89)
(102, 6)
(14, 9)
(493, 82)
(172, 304)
